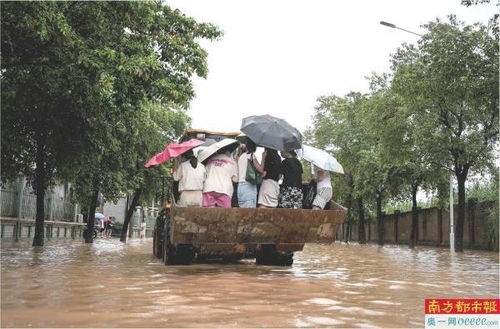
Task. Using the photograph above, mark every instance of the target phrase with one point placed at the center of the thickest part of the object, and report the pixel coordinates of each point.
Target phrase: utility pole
(452, 226)
(452, 220)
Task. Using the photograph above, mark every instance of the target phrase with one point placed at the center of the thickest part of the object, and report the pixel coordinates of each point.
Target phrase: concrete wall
(18, 200)
(117, 209)
(433, 227)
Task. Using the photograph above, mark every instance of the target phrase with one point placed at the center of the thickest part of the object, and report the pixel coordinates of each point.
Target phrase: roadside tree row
(435, 113)
(90, 90)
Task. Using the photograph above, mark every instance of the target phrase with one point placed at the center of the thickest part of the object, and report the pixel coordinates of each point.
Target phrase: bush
(117, 227)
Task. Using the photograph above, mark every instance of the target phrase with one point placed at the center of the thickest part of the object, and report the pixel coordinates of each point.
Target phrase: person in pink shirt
(222, 171)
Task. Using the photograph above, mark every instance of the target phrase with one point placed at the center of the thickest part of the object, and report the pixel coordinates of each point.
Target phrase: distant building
(119, 211)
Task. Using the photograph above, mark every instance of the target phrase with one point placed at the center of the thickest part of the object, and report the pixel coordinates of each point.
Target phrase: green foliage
(436, 111)
(90, 90)
(480, 191)
(483, 191)
(117, 227)
(337, 127)
(450, 81)
(306, 171)
(494, 215)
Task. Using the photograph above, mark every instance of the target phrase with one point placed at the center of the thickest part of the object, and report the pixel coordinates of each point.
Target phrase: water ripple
(73, 284)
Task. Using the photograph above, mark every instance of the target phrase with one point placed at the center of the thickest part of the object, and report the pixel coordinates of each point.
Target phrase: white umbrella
(209, 151)
(98, 215)
(320, 158)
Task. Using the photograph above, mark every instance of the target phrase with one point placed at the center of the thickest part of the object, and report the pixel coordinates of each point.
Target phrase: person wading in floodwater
(142, 229)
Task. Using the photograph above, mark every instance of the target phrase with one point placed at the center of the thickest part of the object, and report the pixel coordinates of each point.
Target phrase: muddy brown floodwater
(109, 284)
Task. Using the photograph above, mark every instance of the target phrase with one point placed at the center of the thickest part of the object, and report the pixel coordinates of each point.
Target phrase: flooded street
(109, 284)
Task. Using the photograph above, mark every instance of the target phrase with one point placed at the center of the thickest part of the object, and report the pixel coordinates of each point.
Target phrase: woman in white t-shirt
(247, 191)
(222, 171)
(324, 188)
(191, 175)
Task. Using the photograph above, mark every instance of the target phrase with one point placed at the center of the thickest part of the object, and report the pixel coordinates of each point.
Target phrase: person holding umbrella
(291, 189)
(187, 176)
(271, 132)
(324, 188)
(323, 162)
(173, 150)
(191, 175)
(222, 171)
(274, 134)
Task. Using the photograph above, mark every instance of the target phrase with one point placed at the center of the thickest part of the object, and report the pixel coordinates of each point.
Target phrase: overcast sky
(277, 57)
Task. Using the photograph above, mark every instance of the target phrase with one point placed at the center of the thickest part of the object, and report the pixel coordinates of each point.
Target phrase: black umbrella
(272, 132)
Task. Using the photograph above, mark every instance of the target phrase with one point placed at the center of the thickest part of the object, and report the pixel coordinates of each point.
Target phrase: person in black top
(269, 190)
(291, 188)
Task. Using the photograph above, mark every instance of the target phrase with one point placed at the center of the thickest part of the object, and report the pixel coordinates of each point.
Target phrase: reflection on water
(109, 284)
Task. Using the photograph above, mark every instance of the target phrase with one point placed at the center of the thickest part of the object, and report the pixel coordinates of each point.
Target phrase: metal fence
(8, 203)
(22, 204)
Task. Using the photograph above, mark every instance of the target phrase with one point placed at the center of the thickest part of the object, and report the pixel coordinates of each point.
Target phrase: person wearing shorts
(324, 188)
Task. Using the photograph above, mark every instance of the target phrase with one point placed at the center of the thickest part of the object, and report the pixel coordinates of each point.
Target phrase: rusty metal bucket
(240, 230)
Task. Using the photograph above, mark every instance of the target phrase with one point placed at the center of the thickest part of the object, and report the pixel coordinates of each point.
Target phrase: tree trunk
(133, 204)
(348, 230)
(89, 233)
(380, 220)
(414, 217)
(349, 220)
(459, 225)
(361, 221)
(40, 184)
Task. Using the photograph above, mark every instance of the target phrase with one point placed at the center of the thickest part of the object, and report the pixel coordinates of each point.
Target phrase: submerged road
(110, 284)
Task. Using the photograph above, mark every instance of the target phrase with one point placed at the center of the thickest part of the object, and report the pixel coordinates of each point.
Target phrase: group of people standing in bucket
(211, 185)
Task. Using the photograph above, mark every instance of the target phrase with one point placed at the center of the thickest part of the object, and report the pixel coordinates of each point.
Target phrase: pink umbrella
(173, 150)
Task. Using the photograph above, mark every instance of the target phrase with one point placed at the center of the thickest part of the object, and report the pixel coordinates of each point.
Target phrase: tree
(119, 168)
(450, 80)
(38, 130)
(469, 3)
(390, 118)
(74, 77)
(157, 130)
(338, 127)
(381, 171)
